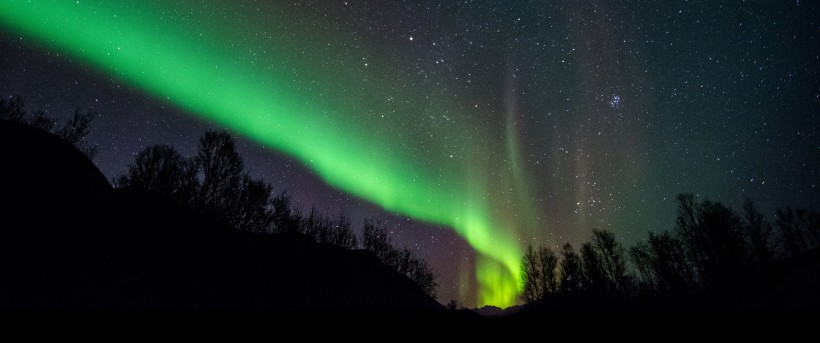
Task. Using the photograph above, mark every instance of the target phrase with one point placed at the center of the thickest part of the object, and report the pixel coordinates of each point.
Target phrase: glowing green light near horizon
(197, 68)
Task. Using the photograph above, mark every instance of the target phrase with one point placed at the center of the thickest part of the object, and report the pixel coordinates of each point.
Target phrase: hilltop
(68, 240)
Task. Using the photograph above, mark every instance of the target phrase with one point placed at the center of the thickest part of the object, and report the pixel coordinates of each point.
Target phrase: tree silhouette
(572, 274)
(316, 225)
(548, 263)
(403, 259)
(284, 221)
(594, 277)
(799, 230)
(814, 228)
(423, 275)
(612, 259)
(323, 229)
(158, 168)
(531, 275)
(714, 241)
(13, 109)
(251, 210)
(213, 182)
(712, 256)
(41, 121)
(661, 263)
(342, 234)
(759, 232)
(220, 169)
(73, 131)
(539, 273)
(454, 305)
(76, 129)
(641, 257)
(376, 240)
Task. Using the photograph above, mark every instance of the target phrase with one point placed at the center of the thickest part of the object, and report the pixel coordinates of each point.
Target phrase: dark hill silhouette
(68, 240)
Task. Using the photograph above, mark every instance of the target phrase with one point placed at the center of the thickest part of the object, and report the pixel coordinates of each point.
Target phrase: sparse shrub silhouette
(39, 120)
(214, 183)
(13, 109)
(376, 240)
(74, 131)
(324, 229)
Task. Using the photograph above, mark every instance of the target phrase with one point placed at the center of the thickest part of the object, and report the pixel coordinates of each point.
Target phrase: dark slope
(70, 241)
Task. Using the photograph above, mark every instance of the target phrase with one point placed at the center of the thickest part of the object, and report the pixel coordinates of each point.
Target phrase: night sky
(471, 128)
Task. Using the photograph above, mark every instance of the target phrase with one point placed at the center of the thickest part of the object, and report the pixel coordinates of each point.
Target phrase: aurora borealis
(512, 124)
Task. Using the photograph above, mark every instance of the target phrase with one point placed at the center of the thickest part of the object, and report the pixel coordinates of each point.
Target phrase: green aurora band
(290, 99)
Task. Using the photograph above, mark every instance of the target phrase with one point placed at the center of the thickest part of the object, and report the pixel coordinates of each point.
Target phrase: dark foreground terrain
(68, 240)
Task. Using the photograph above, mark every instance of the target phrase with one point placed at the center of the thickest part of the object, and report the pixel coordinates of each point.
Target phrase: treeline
(377, 240)
(713, 254)
(74, 130)
(215, 183)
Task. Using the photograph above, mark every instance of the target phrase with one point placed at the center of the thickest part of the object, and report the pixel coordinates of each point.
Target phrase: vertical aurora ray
(292, 102)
